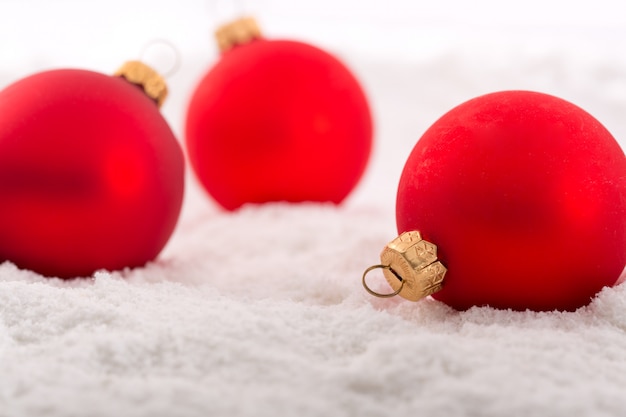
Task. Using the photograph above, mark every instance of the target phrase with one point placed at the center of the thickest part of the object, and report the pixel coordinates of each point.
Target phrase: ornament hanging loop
(162, 55)
(377, 294)
(410, 266)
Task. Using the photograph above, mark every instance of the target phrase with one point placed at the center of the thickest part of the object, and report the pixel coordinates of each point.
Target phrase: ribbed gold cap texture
(238, 32)
(141, 74)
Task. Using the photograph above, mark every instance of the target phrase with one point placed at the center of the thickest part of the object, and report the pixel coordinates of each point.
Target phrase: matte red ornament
(91, 175)
(277, 120)
(524, 195)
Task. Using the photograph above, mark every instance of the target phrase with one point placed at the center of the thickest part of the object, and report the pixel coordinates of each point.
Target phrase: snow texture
(261, 312)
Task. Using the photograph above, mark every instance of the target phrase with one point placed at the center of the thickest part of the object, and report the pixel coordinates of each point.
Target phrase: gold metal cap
(141, 74)
(410, 266)
(238, 32)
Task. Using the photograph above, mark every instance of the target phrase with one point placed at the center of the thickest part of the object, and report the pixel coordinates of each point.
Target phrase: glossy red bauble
(525, 196)
(278, 121)
(91, 176)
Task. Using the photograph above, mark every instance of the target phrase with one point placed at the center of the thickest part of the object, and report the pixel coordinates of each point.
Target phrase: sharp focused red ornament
(277, 120)
(524, 195)
(91, 176)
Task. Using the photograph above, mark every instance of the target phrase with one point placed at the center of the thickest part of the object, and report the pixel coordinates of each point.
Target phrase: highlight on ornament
(91, 175)
(524, 194)
(276, 120)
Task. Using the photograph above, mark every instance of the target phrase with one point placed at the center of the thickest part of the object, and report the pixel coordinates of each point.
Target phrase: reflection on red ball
(91, 176)
(525, 196)
(278, 121)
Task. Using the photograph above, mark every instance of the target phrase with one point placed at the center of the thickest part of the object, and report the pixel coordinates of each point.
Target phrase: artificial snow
(261, 312)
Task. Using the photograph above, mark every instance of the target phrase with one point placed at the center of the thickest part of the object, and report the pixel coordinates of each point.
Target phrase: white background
(99, 35)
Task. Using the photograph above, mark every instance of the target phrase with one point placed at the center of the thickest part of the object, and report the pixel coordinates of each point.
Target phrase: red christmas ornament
(277, 120)
(524, 195)
(91, 176)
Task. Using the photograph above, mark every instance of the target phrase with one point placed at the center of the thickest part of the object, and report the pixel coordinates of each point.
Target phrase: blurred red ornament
(277, 120)
(524, 195)
(91, 176)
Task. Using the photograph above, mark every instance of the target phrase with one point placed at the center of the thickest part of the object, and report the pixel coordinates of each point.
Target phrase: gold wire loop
(152, 54)
(376, 294)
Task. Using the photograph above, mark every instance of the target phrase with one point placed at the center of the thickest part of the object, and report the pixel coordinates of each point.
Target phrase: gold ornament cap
(238, 32)
(410, 266)
(153, 84)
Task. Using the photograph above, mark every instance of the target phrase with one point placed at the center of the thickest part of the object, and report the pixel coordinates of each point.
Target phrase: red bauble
(525, 196)
(91, 176)
(278, 120)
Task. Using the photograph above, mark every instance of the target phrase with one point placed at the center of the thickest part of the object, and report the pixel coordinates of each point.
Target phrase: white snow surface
(261, 312)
